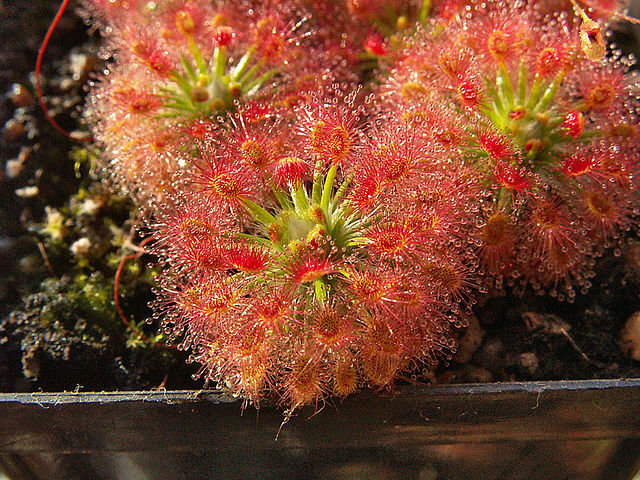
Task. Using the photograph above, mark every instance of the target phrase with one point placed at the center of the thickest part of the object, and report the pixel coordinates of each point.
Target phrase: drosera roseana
(540, 114)
(334, 296)
(318, 235)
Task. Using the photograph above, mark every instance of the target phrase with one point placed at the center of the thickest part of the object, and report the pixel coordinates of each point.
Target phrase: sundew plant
(330, 185)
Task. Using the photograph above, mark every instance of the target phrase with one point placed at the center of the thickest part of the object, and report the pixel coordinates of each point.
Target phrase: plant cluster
(549, 124)
(330, 184)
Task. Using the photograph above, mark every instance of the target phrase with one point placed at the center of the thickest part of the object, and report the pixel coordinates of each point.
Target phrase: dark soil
(538, 338)
(59, 329)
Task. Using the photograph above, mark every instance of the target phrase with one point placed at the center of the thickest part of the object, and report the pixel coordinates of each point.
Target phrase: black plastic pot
(538, 430)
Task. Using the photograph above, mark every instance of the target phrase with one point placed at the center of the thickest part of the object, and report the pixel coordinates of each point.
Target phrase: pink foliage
(331, 184)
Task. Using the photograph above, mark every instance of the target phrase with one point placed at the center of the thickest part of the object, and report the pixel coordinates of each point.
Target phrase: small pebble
(13, 169)
(28, 192)
(66, 84)
(81, 65)
(15, 166)
(20, 96)
(80, 136)
(13, 129)
(81, 247)
(528, 361)
(629, 341)
(90, 207)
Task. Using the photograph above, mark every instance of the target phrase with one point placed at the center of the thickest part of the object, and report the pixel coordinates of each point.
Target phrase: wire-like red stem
(43, 48)
(116, 296)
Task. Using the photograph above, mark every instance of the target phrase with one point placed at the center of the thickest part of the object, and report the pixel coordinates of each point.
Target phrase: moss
(69, 334)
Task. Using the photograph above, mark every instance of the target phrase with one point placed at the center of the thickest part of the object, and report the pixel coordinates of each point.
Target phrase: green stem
(343, 188)
(258, 212)
(220, 60)
(300, 200)
(522, 84)
(317, 181)
(507, 87)
(189, 69)
(242, 64)
(202, 65)
(534, 95)
(251, 73)
(344, 210)
(496, 117)
(328, 188)
(531, 154)
(253, 87)
(282, 199)
(294, 199)
(182, 83)
(497, 100)
(425, 9)
(549, 95)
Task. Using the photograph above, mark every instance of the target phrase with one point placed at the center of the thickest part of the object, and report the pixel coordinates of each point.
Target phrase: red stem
(116, 296)
(43, 47)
